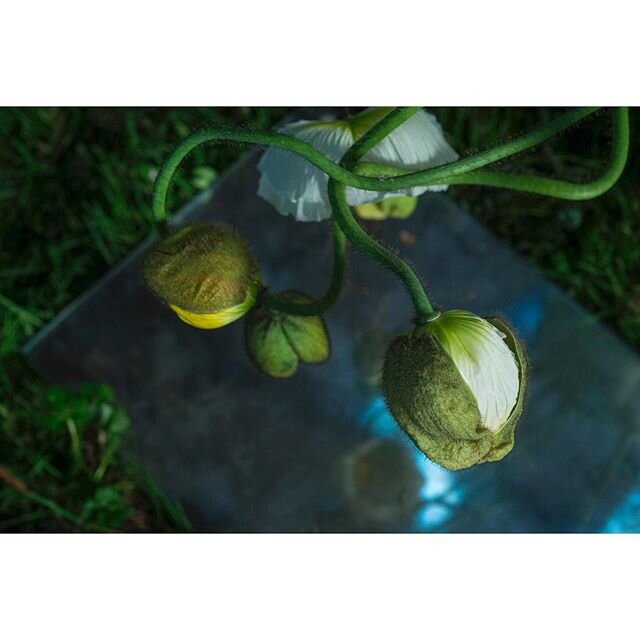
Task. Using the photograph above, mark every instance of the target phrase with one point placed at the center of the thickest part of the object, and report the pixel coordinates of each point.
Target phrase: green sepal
(432, 403)
(455, 455)
(307, 334)
(276, 341)
(268, 345)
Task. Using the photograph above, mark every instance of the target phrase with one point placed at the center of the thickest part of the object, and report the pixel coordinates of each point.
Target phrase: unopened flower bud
(205, 273)
(456, 387)
(277, 341)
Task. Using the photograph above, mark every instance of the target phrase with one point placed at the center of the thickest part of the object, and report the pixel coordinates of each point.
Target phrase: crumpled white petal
(296, 187)
(484, 360)
(417, 144)
(293, 185)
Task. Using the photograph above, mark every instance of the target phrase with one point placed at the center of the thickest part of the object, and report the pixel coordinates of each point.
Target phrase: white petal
(484, 360)
(293, 185)
(296, 187)
(417, 144)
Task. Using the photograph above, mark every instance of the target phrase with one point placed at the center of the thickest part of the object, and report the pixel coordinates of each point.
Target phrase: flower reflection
(440, 495)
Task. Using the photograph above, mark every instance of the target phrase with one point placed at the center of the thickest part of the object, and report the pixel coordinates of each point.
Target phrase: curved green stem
(273, 301)
(375, 177)
(375, 134)
(443, 173)
(436, 175)
(536, 184)
(561, 188)
(353, 231)
(320, 306)
(357, 235)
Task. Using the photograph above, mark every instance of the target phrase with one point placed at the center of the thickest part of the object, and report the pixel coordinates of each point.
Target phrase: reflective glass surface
(320, 452)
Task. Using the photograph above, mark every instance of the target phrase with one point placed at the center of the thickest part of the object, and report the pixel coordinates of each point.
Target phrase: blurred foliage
(61, 467)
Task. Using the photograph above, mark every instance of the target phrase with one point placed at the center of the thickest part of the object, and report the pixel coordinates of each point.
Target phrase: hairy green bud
(205, 273)
(456, 387)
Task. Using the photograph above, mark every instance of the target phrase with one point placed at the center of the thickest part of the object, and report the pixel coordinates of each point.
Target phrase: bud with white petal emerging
(205, 273)
(456, 387)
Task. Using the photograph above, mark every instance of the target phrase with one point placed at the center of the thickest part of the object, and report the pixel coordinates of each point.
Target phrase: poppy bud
(277, 341)
(205, 273)
(456, 387)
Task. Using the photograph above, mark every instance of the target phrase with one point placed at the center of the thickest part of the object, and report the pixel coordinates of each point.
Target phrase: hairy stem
(356, 234)
(321, 305)
(436, 175)
(560, 188)
(536, 184)
(374, 177)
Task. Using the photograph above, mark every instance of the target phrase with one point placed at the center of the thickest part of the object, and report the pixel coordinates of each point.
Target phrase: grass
(590, 249)
(75, 192)
(62, 468)
(75, 188)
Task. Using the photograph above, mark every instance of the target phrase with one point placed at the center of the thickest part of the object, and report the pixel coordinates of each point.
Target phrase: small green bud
(205, 273)
(277, 341)
(456, 387)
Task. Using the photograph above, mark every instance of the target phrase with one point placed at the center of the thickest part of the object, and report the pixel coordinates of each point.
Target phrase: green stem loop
(320, 306)
(356, 234)
(560, 188)
(374, 177)
(535, 184)
(356, 151)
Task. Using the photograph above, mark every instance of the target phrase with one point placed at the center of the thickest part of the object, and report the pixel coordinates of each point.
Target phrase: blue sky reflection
(439, 493)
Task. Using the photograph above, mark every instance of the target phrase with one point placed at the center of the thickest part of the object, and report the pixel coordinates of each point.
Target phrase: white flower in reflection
(296, 187)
